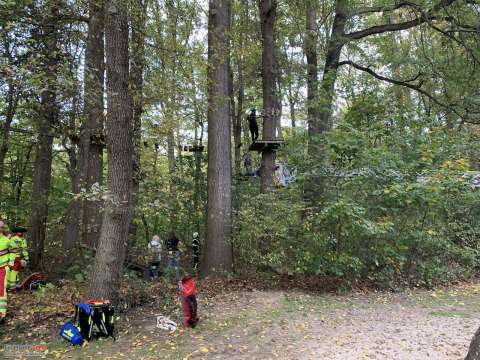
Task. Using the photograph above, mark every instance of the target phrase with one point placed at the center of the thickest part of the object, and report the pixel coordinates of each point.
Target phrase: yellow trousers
(4, 273)
(12, 279)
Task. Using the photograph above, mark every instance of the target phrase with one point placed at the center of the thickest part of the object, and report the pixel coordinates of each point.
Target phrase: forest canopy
(124, 119)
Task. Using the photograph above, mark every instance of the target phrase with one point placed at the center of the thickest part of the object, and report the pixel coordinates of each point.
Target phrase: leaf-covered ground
(260, 324)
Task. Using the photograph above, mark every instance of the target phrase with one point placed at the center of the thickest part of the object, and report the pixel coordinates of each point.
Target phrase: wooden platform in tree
(193, 148)
(262, 145)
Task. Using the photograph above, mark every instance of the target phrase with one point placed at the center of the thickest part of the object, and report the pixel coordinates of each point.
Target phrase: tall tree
(92, 135)
(108, 265)
(218, 253)
(47, 115)
(344, 11)
(311, 43)
(139, 15)
(268, 14)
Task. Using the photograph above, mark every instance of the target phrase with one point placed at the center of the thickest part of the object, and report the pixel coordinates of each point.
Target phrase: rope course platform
(193, 148)
(262, 145)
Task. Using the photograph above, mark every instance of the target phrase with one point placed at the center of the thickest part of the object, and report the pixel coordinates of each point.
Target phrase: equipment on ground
(32, 282)
(71, 333)
(95, 319)
(165, 323)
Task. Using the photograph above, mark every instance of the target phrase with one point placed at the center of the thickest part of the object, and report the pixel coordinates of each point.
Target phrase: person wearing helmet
(5, 263)
(155, 249)
(196, 250)
(252, 123)
(18, 254)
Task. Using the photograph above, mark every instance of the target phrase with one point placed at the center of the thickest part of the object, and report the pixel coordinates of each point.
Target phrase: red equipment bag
(188, 292)
(31, 282)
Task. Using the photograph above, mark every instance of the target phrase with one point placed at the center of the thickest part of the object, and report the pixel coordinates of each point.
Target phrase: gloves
(24, 263)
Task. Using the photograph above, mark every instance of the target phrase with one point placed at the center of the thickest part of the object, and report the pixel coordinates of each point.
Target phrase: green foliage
(394, 205)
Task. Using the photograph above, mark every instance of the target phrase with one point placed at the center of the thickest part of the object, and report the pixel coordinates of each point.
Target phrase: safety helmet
(195, 234)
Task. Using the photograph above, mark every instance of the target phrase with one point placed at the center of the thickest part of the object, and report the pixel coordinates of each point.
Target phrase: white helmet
(195, 234)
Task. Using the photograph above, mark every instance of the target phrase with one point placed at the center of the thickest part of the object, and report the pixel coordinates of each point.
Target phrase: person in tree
(252, 123)
(5, 264)
(18, 255)
(196, 250)
(173, 255)
(155, 249)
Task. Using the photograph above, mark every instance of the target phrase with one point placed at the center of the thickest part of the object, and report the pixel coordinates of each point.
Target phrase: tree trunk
(72, 224)
(139, 14)
(218, 252)
(18, 186)
(474, 350)
(12, 102)
(47, 117)
(237, 129)
(327, 88)
(108, 266)
(311, 40)
(74, 210)
(268, 11)
(291, 103)
(91, 160)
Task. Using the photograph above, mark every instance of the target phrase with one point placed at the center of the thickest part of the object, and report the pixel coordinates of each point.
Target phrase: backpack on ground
(95, 319)
(188, 292)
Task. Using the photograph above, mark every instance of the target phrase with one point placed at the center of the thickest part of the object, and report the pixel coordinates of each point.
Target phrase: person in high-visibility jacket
(5, 264)
(18, 255)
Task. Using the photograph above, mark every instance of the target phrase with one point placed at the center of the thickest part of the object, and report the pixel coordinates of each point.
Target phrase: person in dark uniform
(173, 255)
(252, 123)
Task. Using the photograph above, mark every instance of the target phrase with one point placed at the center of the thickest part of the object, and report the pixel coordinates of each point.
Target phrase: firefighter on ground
(5, 264)
(18, 255)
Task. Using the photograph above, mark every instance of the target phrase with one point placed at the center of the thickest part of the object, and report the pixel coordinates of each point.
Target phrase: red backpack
(188, 292)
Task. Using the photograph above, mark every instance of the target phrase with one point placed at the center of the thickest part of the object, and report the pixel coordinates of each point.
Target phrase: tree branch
(379, 29)
(408, 84)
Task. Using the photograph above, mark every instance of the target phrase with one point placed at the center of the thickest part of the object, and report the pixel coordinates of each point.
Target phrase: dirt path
(288, 325)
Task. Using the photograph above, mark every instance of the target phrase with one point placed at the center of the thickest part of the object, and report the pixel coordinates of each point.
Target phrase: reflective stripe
(4, 252)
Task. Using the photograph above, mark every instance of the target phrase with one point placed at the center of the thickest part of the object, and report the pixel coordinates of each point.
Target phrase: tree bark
(108, 266)
(12, 102)
(218, 252)
(474, 350)
(327, 88)
(92, 135)
(72, 224)
(311, 40)
(139, 14)
(237, 129)
(74, 210)
(268, 11)
(47, 117)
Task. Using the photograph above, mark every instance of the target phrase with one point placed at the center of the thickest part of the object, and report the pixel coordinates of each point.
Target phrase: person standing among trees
(196, 250)
(252, 123)
(18, 255)
(173, 255)
(5, 264)
(155, 249)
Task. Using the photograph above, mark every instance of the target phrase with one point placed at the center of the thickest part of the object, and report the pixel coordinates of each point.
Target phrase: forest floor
(260, 324)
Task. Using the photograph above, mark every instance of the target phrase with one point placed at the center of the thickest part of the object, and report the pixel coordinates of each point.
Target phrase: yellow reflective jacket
(18, 247)
(5, 258)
